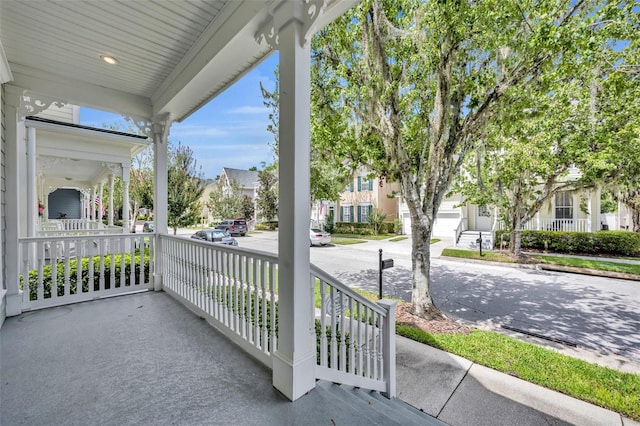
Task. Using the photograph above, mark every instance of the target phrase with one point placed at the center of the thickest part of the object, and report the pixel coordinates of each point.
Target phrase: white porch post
(14, 135)
(111, 183)
(125, 198)
(160, 130)
(32, 200)
(92, 204)
(100, 204)
(295, 360)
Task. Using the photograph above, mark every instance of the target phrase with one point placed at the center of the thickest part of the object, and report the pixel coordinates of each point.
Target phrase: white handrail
(356, 337)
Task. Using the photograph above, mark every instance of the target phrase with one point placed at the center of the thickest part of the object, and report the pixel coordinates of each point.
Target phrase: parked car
(148, 227)
(233, 226)
(215, 236)
(319, 237)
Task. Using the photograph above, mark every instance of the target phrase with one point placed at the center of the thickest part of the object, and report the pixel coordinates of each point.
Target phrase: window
(363, 212)
(483, 211)
(564, 205)
(365, 184)
(346, 213)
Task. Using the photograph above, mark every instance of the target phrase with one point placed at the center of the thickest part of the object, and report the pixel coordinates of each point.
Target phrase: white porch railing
(70, 225)
(569, 225)
(234, 289)
(68, 269)
(356, 337)
(462, 226)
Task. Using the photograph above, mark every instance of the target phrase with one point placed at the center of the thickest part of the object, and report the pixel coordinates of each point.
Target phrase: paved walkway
(460, 393)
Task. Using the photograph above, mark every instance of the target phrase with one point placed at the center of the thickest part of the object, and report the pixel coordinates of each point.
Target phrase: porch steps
(468, 240)
(373, 408)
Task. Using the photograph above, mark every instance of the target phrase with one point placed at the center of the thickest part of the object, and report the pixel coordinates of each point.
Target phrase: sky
(229, 131)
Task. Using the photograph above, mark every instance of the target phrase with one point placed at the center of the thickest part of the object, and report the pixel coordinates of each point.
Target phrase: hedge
(617, 243)
(271, 225)
(73, 275)
(362, 228)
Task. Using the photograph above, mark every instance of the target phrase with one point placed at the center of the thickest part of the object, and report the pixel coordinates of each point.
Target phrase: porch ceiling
(173, 56)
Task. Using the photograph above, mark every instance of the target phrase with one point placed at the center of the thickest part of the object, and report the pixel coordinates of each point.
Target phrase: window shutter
(351, 213)
(359, 214)
(351, 186)
(370, 208)
(370, 184)
(341, 213)
(359, 183)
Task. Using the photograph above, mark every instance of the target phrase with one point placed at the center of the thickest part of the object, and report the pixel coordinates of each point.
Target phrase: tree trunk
(422, 302)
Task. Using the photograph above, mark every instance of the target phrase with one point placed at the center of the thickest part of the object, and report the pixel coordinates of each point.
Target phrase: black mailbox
(387, 263)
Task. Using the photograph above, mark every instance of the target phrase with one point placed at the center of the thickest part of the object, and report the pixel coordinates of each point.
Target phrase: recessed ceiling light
(109, 59)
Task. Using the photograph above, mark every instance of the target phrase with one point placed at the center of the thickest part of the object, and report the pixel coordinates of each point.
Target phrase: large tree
(420, 81)
(267, 196)
(185, 187)
(225, 201)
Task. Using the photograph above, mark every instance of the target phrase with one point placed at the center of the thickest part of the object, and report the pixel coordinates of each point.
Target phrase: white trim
(5, 70)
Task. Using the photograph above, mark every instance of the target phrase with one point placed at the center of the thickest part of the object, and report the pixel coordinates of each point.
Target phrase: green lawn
(346, 241)
(601, 265)
(396, 239)
(364, 237)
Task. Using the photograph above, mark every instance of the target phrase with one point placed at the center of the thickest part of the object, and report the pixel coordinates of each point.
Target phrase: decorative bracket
(142, 123)
(32, 104)
(114, 168)
(306, 12)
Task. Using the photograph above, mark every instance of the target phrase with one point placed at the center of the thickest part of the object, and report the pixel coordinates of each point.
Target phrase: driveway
(591, 312)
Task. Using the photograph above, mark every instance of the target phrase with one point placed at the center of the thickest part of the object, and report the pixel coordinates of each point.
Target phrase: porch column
(111, 183)
(92, 204)
(14, 137)
(100, 204)
(126, 224)
(160, 130)
(589, 227)
(295, 360)
(32, 190)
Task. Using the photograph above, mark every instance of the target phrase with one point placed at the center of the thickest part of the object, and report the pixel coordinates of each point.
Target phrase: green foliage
(267, 226)
(608, 201)
(376, 218)
(267, 196)
(615, 243)
(362, 228)
(329, 225)
(329, 335)
(247, 209)
(185, 187)
(226, 201)
(87, 275)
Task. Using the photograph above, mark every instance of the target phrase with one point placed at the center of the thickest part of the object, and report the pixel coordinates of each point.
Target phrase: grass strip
(396, 239)
(346, 241)
(472, 254)
(364, 237)
(601, 265)
(608, 388)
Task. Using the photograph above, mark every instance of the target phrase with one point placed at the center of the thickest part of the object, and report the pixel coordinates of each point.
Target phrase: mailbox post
(479, 241)
(382, 265)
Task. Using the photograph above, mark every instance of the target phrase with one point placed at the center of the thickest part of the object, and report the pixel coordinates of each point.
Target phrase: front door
(483, 218)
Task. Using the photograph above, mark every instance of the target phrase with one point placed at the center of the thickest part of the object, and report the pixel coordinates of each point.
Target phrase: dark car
(234, 226)
(215, 236)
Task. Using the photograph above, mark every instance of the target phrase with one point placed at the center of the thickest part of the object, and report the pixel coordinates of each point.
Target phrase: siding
(65, 201)
(67, 113)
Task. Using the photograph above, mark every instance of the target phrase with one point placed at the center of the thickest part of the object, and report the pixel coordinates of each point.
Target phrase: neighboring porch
(146, 359)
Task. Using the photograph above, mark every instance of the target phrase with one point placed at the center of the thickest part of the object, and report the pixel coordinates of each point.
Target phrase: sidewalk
(459, 392)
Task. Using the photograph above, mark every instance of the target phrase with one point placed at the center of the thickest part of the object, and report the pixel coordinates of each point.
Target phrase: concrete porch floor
(140, 359)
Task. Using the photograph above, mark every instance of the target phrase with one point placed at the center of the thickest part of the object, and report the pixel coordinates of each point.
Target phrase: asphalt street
(595, 313)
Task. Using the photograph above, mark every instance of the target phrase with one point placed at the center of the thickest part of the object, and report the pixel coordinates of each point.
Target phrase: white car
(319, 237)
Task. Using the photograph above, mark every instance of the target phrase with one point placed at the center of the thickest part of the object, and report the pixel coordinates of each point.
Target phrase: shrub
(47, 271)
(617, 243)
(270, 225)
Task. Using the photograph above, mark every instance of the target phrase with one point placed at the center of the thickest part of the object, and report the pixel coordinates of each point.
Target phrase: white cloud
(249, 110)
